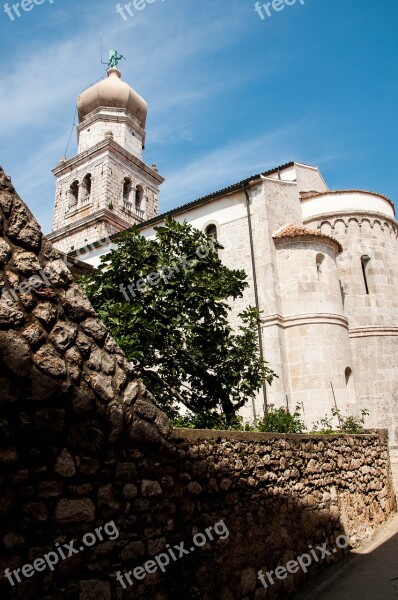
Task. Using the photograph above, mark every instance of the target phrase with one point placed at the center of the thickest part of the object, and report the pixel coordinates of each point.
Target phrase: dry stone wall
(82, 444)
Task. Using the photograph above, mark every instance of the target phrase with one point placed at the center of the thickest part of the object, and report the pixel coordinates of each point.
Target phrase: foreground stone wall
(83, 445)
(275, 494)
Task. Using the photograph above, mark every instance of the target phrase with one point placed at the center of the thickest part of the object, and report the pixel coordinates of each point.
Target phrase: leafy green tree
(167, 303)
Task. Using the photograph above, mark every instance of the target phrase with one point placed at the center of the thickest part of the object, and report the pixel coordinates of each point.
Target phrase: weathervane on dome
(114, 58)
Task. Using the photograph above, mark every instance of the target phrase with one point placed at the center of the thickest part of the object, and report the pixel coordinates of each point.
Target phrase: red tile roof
(297, 231)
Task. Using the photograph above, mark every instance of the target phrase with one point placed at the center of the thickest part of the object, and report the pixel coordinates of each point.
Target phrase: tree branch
(168, 387)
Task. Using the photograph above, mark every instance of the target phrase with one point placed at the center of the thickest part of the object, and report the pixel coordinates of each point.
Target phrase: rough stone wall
(82, 443)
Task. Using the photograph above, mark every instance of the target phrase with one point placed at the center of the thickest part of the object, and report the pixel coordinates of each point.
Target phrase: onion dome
(115, 93)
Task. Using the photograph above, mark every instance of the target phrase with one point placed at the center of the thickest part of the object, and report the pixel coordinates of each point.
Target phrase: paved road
(371, 572)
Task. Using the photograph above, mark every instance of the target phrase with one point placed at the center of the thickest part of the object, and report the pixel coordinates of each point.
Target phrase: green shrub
(280, 420)
(347, 424)
(211, 420)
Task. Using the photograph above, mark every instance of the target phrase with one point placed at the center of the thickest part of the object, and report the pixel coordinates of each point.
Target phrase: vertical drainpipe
(260, 334)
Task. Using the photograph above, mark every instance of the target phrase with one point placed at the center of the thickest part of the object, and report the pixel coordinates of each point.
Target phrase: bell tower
(106, 187)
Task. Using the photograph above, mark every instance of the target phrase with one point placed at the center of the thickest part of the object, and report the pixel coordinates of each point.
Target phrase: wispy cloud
(227, 164)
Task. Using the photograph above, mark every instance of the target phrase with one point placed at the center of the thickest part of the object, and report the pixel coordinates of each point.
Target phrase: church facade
(322, 264)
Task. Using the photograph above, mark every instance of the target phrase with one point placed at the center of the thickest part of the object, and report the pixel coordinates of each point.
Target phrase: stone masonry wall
(82, 444)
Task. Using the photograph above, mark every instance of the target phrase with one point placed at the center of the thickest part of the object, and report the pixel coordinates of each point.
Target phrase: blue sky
(229, 94)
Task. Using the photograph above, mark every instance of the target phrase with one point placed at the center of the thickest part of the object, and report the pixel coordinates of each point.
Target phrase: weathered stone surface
(116, 421)
(131, 392)
(102, 385)
(84, 344)
(8, 456)
(10, 313)
(95, 329)
(5, 251)
(87, 435)
(95, 590)
(76, 305)
(36, 511)
(150, 488)
(74, 363)
(63, 335)
(42, 386)
(28, 301)
(50, 489)
(111, 346)
(83, 400)
(142, 432)
(58, 273)
(33, 334)
(12, 540)
(146, 410)
(195, 488)
(13, 279)
(46, 313)
(106, 502)
(6, 200)
(65, 465)
(74, 511)
(48, 361)
(25, 262)
(133, 551)
(119, 379)
(22, 227)
(50, 421)
(15, 353)
(130, 491)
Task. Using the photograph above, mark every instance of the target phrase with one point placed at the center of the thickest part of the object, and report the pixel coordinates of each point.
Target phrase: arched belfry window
(74, 193)
(319, 262)
(211, 232)
(139, 195)
(86, 187)
(127, 187)
(365, 260)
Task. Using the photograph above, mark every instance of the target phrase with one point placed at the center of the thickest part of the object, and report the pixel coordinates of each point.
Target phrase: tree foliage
(173, 321)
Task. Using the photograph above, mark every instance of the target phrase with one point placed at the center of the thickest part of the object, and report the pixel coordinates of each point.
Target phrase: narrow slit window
(319, 261)
(364, 262)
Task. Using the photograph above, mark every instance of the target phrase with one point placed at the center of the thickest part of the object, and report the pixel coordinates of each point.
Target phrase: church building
(322, 264)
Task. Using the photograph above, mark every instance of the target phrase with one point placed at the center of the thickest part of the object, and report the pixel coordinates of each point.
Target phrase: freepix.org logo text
(265, 11)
